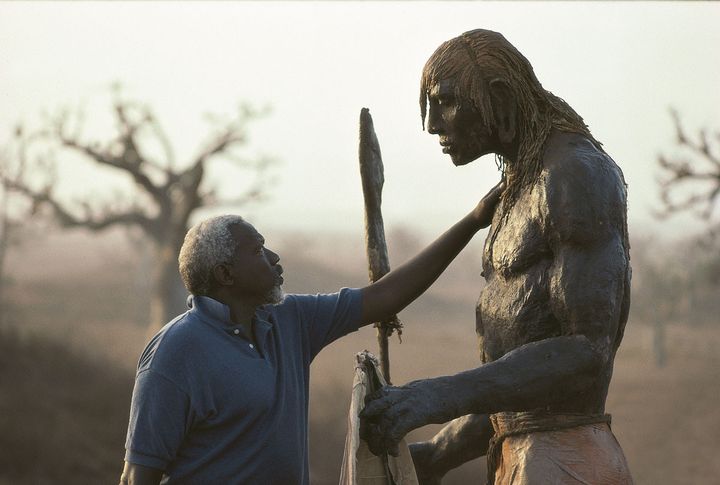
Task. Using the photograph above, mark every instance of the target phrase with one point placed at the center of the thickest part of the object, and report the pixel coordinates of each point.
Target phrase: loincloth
(536, 448)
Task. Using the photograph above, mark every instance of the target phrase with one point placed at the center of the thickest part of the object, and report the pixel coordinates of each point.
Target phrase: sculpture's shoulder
(584, 188)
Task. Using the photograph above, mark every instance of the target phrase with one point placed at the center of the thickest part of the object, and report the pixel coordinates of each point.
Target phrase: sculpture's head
(483, 97)
(475, 86)
(459, 124)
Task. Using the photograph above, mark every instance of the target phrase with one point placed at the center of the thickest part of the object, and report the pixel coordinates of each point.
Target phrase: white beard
(275, 296)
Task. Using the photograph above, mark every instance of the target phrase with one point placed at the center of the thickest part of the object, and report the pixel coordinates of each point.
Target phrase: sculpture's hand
(422, 454)
(389, 414)
(392, 412)
(486, 207)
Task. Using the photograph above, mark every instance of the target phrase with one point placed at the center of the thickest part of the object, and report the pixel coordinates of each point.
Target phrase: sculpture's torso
(516, 306)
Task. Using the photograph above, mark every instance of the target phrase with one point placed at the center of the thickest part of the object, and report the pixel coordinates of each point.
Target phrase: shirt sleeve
(327, 317)
(159, 414)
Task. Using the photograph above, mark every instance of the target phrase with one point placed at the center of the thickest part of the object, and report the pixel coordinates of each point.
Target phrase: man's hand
(486, 207)
(397, 289)
(134, 474)
(392, 412)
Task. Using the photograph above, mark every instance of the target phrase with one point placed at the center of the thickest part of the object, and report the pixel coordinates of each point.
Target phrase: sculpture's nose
(434, 124)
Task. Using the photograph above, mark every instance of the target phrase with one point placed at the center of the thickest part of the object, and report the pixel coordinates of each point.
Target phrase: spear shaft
(371, 173)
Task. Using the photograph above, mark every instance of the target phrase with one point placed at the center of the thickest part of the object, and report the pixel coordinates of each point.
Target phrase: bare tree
(165, 193)
(691, 181)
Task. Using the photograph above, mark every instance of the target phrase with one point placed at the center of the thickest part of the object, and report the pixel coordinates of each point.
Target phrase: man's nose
(273, 257)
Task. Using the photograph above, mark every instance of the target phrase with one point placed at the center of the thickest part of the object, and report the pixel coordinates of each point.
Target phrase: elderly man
(556, 262)
(221, 393)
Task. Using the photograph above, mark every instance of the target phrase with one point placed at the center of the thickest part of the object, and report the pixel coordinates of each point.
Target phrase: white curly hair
(207, 243)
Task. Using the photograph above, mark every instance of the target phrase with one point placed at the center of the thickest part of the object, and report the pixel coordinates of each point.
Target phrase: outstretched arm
(397, 289)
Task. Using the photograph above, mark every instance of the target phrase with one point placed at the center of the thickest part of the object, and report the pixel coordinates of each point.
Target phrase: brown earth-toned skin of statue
(552, 314)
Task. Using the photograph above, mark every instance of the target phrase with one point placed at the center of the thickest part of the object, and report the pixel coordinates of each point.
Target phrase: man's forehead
(245, 233)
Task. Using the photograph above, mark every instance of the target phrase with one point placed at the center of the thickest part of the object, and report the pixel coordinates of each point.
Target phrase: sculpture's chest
(518, 236)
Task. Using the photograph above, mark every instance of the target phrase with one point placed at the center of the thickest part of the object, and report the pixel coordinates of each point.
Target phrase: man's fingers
(494, 195)
(486, 207)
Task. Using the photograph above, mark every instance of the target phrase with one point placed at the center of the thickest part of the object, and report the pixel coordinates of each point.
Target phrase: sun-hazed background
(315, 65)
(620, 65)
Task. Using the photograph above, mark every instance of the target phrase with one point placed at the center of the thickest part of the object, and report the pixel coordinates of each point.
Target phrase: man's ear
(504, 110)
(222, 275)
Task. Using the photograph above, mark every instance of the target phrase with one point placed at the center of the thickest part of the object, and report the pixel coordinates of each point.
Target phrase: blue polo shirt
(210, 408)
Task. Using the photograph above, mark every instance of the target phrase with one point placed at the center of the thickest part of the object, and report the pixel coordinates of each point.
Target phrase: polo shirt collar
(218, 314)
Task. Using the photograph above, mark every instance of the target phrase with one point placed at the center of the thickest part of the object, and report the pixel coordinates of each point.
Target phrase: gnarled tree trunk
(168, 294)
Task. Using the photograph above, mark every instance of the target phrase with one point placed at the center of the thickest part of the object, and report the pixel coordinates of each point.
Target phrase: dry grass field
(75, 329)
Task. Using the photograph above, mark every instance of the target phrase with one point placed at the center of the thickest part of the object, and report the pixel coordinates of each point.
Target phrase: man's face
(459, 125)
(255, 268)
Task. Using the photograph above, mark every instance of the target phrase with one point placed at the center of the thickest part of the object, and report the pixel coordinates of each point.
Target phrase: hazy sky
(620, 65)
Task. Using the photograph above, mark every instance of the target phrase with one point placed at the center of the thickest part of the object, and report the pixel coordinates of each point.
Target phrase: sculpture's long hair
(477, 57)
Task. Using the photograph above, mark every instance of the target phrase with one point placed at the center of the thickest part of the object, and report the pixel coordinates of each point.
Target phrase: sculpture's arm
(529, 377)
(462, 440)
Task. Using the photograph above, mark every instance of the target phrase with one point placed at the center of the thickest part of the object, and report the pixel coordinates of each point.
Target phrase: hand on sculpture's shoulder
(486, 207)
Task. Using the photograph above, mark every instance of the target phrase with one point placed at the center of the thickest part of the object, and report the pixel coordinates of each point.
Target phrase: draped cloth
(535, 447)
(360, 466)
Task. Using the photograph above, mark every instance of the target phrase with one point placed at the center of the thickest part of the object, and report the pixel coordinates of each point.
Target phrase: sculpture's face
(458, 124)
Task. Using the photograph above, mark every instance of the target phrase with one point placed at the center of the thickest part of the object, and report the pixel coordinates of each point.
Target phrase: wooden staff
(371, 172)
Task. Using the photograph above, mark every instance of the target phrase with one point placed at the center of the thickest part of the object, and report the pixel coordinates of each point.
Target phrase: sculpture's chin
(459, 160)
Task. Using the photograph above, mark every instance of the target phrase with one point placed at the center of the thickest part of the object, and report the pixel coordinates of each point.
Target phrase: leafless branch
(701, 166)
(90, 218)
(162, 137)
(226, 139)
(128, 160)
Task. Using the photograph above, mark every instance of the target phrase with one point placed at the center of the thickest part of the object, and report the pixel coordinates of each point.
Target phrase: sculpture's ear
(504, 110)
